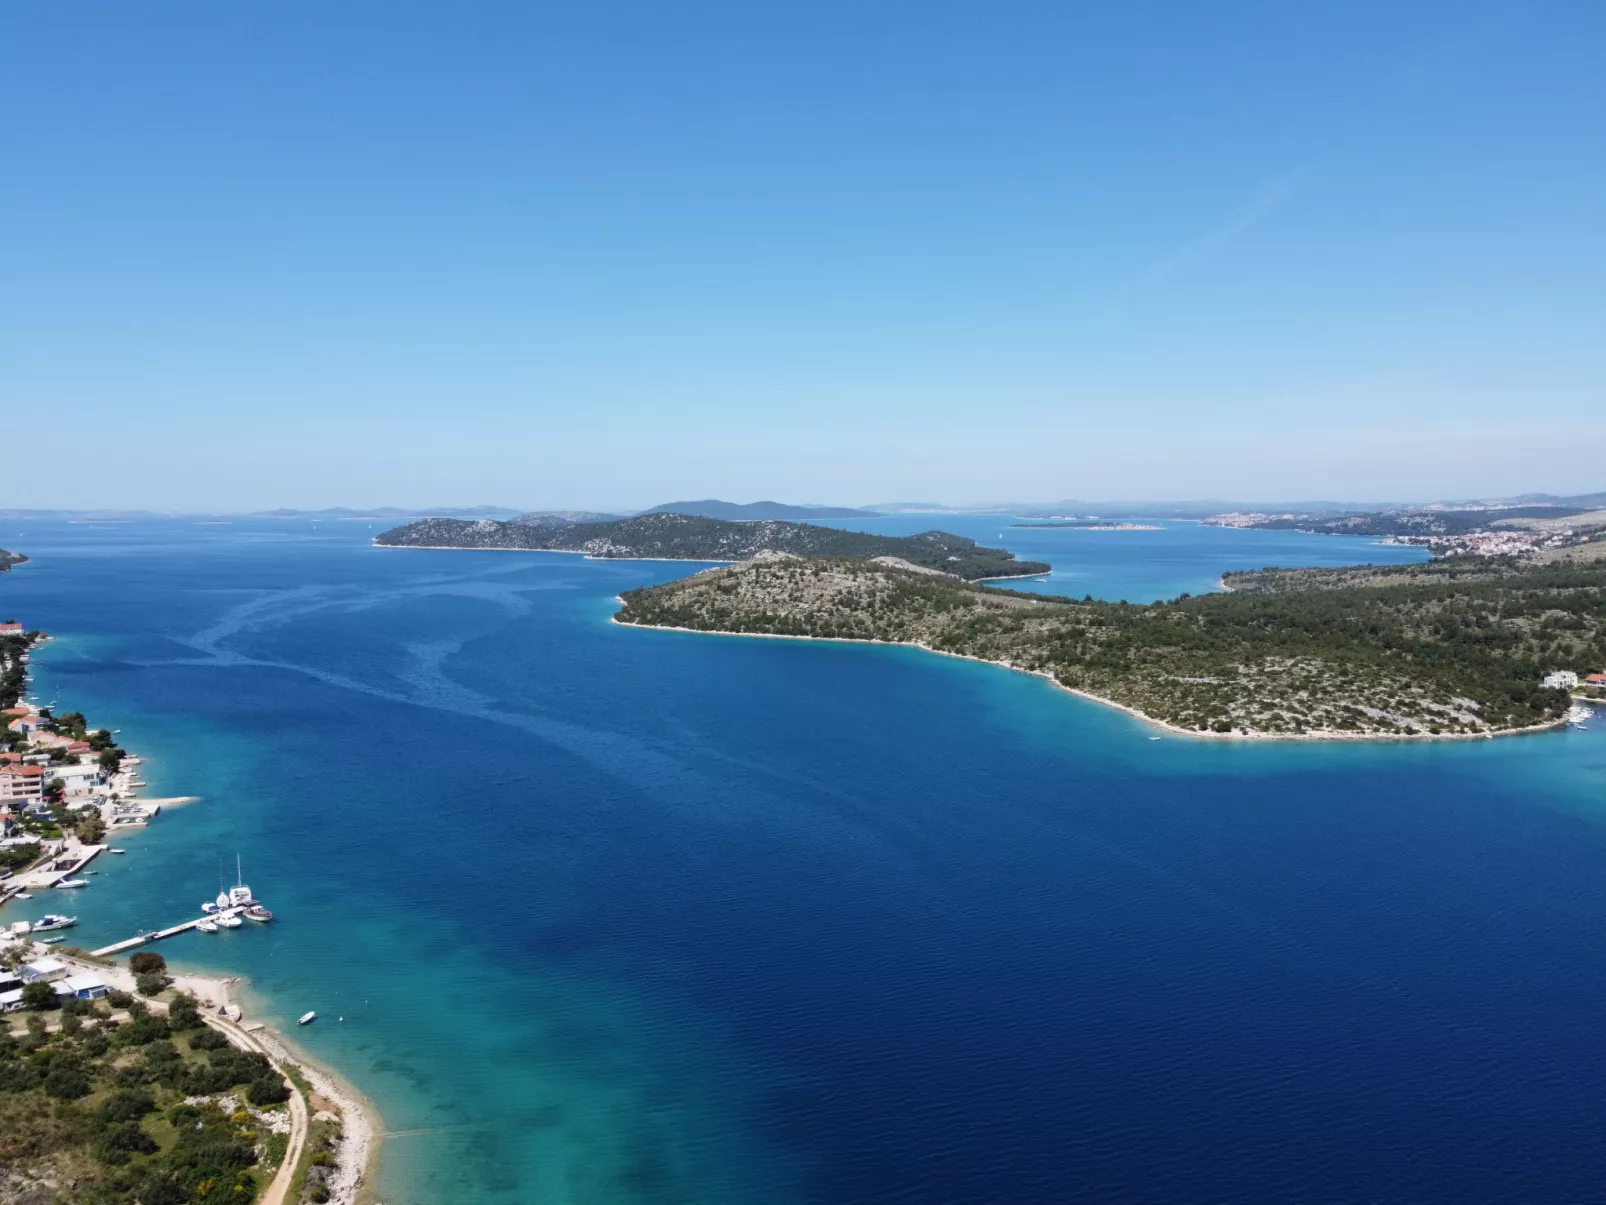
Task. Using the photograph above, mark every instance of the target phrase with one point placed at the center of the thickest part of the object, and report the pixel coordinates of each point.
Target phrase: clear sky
(610, 254)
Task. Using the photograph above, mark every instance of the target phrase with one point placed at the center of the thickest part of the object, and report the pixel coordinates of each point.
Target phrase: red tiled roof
(1596, 678)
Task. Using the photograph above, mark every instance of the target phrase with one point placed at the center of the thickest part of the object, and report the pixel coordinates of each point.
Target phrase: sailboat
(240, 895)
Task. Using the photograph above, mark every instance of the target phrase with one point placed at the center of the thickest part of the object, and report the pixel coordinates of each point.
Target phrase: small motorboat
(218, 904)
(206, 926)
(117, 851)
(50, 941)
(53, 920)
(307, 1018)
(66, 883)
(229, 921)
(22, 895)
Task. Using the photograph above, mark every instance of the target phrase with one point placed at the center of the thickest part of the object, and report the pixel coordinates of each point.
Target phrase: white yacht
(53, 920)
(72, 883)
(306, 1018)
(217, 905)
(206, 926)
(229, 921)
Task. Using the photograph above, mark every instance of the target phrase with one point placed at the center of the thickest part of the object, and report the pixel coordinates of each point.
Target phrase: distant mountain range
(713, 508)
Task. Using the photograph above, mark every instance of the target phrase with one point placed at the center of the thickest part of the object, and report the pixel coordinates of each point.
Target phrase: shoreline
(1531, 730)
(360, 1122)
(361, 1126)
(687, 560)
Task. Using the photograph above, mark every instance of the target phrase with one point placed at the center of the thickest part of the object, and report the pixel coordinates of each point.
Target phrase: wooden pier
(143, 938)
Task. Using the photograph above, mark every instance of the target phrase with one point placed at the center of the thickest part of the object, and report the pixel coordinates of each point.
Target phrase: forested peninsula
(8, 559)
(695, 538)
(1448, 648)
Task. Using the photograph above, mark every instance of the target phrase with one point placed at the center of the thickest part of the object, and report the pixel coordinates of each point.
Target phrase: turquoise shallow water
(616, 916)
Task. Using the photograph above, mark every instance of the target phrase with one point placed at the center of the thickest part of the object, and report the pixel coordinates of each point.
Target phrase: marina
(207, 923)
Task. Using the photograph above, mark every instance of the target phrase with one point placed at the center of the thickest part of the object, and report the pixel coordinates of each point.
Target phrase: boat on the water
(50, 941)
(307, 1018)
(258, 913)
(117, 851)
(73, 883)
(240, 894)
(53, 920)
(229, 921)
(206, 926)
(218, 904)
(22, 895)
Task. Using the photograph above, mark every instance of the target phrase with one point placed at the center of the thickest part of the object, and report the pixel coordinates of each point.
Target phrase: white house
(1562, 679)
(87, 986)
(77, 780)
(43, 971)
(11, 1001)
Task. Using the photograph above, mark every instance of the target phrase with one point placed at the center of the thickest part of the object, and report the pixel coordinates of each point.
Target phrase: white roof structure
(45, 968)
(7, 999)
(86, 982)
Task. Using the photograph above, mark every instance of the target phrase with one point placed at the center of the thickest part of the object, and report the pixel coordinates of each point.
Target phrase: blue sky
(610, 254)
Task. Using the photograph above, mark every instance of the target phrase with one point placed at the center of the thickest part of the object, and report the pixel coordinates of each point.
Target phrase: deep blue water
(617, 916)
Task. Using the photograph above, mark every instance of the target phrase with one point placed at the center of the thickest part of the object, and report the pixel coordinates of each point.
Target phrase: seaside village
(63, 787)
(146, 1085)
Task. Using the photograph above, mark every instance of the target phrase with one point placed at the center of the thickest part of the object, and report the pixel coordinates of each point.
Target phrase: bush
(268, 1090)
(39, 997)
(128, 1138)
(151, 984)
(182, 1013)
(207, 1039)
(147, 963)
(127, 1105)
(118, 999)
(67, 1083)
(180, 1116)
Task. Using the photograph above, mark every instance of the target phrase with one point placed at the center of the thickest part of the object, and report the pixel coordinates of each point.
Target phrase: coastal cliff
(1409, 651)
(8, 559)
(664, 536)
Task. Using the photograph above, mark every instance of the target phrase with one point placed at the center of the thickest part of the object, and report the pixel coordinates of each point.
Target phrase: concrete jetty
(63, 864)
(144, 938)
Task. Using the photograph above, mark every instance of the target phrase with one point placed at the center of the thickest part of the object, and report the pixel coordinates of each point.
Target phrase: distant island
(1450, 648)
(663, 536)
(8, 559)
(1541, 532)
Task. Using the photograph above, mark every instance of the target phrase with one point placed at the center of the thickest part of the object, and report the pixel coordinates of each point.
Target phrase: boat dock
(63, 864)
(143, 938)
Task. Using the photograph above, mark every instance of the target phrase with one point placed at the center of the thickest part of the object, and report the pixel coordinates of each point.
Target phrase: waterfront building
(21, 782)
(1562, 679)
(45, 970)
(87, 986)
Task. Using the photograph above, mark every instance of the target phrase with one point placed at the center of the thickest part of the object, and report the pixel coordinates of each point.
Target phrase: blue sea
(602, 916)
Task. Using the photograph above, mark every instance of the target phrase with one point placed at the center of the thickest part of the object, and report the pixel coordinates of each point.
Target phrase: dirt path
(277, 1192)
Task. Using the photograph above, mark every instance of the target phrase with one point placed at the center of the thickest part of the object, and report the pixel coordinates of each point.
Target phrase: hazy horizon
(316, 256)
